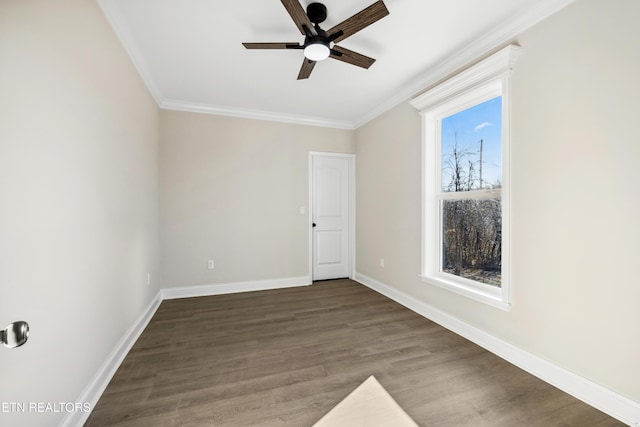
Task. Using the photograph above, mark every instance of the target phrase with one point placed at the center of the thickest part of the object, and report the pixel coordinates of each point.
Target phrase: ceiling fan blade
(293, 45)
(351, 57)
(306, 69)
(300, 17)
(357, 22)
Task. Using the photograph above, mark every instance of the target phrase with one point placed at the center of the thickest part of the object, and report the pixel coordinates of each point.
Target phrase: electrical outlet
(210, 264)
(148, 279)
(381, 262)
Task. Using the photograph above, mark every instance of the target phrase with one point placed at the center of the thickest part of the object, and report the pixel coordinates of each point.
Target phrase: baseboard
(100, 381)
(235, 287)
(601, 398)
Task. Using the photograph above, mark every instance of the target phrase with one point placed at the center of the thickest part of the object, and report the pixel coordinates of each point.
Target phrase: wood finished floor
(286, 357)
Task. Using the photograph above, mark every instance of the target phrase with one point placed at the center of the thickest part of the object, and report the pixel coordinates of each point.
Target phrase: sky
(468, 127)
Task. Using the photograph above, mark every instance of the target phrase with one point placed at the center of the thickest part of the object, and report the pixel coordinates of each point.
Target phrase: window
(465, 237)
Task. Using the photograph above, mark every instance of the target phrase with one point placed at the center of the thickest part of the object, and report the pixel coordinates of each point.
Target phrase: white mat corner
(368, 405)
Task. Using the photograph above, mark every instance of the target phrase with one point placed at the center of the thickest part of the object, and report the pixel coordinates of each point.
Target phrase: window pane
(472, 148)
(472, 239)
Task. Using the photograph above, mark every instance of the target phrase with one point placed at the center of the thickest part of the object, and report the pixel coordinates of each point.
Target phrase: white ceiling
(190, 55)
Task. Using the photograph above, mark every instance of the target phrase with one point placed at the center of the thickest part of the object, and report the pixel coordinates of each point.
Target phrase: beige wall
(83, 217)
(576, 204)
(78, 198)
(231, 191)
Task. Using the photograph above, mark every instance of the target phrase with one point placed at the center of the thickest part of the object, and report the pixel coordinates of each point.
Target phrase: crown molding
(245, 113)
(469, 54)
(126, 40)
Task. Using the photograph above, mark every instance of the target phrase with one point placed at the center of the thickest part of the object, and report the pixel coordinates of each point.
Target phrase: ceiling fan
(320, 44)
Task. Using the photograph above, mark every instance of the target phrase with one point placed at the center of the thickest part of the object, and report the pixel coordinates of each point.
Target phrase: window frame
(486, 80)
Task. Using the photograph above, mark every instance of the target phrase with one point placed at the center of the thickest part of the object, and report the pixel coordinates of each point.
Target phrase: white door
(330, 214)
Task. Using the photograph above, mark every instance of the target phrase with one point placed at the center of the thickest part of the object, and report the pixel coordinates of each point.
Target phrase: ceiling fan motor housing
(317, 48)
(317, 12)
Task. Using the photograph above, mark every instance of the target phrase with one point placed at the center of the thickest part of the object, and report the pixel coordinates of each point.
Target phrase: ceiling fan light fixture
(317, 51)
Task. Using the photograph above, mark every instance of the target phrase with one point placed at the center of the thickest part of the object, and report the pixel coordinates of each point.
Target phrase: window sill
(489, 298)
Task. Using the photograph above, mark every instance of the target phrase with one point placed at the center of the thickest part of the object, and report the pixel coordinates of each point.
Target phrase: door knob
(15, 334)
(313, 225)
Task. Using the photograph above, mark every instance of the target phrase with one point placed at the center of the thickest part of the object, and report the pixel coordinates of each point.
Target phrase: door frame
(352, 208)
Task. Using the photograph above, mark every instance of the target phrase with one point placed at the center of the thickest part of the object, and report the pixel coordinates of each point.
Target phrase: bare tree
(472, 228)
